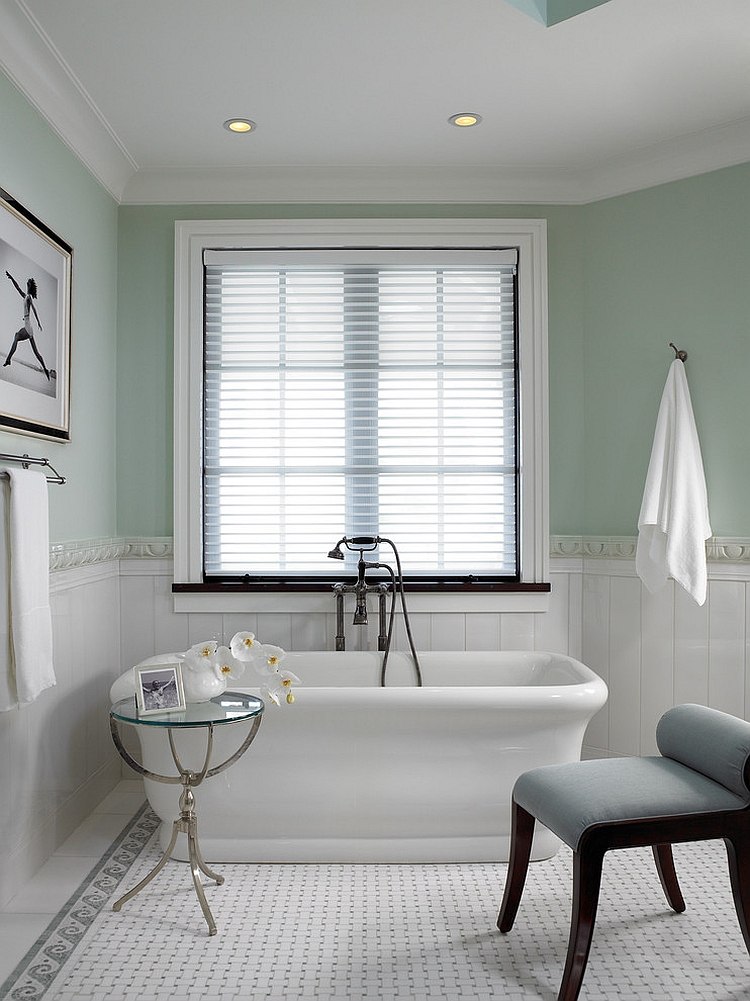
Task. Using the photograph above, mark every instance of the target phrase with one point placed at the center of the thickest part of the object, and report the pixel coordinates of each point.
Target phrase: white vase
(200, 686)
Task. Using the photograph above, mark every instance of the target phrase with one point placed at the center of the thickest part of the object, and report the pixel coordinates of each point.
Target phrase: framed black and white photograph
(159, 689)
(35, 280)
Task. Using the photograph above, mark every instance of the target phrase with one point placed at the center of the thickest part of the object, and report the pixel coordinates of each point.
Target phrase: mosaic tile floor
(418, 932)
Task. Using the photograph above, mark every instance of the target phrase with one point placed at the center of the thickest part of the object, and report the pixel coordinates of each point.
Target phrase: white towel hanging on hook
(673, 525)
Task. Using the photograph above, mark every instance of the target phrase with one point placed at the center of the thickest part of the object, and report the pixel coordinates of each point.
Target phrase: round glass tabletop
(231, 707)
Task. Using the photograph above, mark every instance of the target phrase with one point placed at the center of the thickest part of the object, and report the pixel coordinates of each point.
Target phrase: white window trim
(193, 236)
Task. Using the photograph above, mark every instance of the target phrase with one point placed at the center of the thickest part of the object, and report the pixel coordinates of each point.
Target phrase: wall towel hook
(682, 355)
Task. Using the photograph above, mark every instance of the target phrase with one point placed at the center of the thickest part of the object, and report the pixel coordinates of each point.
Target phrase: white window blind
(360, 393)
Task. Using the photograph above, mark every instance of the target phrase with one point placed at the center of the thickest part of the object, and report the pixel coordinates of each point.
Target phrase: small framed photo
(35, 280)
(159, 689)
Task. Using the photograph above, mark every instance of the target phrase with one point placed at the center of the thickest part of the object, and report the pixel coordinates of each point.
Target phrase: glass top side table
(223, 710)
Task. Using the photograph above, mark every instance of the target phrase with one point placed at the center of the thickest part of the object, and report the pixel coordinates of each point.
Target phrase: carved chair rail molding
(69, 555)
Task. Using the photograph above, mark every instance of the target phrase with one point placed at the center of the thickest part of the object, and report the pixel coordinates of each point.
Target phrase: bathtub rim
(585, 697)
(584, 687)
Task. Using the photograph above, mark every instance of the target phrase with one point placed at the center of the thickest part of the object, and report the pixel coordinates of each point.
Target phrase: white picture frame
(159, 689)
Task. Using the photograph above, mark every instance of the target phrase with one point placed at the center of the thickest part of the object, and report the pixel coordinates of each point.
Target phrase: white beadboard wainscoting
(655, 651)
(57, 757)
(112, 606)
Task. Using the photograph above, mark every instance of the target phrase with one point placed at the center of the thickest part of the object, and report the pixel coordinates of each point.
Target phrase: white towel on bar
(673, 524)
(30, 665)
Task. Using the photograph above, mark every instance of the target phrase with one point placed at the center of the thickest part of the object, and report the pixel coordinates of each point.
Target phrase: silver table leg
(187, 822)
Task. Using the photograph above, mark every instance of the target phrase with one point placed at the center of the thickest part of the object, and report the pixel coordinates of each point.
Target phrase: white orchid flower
(226, 666)
(230, 663)
(200, 657)
(244, 646)
(288, 679)
(268, 659)
(280, 684)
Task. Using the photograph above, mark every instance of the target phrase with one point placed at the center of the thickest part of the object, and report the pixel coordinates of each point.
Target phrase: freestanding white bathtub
(357, 773)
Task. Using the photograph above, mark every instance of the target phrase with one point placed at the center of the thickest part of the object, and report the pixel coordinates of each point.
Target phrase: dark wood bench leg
(738, 855)
(521, 834)
(587, 877)
(668, 877)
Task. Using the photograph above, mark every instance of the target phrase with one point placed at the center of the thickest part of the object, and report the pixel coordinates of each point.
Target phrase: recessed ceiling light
(465, 119)
(240, 125)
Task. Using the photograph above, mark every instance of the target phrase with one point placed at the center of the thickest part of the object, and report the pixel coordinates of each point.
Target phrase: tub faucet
(360, 589)
(363, 544)
(360, 614)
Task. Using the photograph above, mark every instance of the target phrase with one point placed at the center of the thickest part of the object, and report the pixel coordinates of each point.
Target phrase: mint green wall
(40, 171)
(627, 275)
(670, 263)
(145, 316)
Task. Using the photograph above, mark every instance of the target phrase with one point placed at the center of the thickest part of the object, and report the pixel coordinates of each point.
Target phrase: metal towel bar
(30, 460)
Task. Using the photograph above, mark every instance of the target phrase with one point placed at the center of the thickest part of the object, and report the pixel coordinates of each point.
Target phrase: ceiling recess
(551, 12)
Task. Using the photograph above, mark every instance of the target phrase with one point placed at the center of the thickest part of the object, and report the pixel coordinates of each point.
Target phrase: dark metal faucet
(360, 614)
(363, 544)
(360, 588)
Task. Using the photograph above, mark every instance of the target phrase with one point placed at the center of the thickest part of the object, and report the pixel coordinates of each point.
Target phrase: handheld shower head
(353, 543)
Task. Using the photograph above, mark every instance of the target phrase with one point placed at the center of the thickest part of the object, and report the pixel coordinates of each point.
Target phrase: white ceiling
(352, 97)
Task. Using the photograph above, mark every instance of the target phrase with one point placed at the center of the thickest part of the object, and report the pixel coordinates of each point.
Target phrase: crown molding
(391, 184)
(673, 159)
(31, 61)
(33, 64)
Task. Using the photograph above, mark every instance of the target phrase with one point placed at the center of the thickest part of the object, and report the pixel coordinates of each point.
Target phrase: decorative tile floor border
(43, 962)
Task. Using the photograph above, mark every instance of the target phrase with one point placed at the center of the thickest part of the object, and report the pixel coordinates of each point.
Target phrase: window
(346, 378)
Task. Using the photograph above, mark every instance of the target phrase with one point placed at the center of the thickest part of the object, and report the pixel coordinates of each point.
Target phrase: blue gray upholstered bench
(698, 789)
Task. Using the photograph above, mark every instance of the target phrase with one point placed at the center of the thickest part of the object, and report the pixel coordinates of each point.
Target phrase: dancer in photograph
(26, 333)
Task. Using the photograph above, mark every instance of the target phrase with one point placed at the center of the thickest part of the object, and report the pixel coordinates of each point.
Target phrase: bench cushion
(710, 741)
(572, 797)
